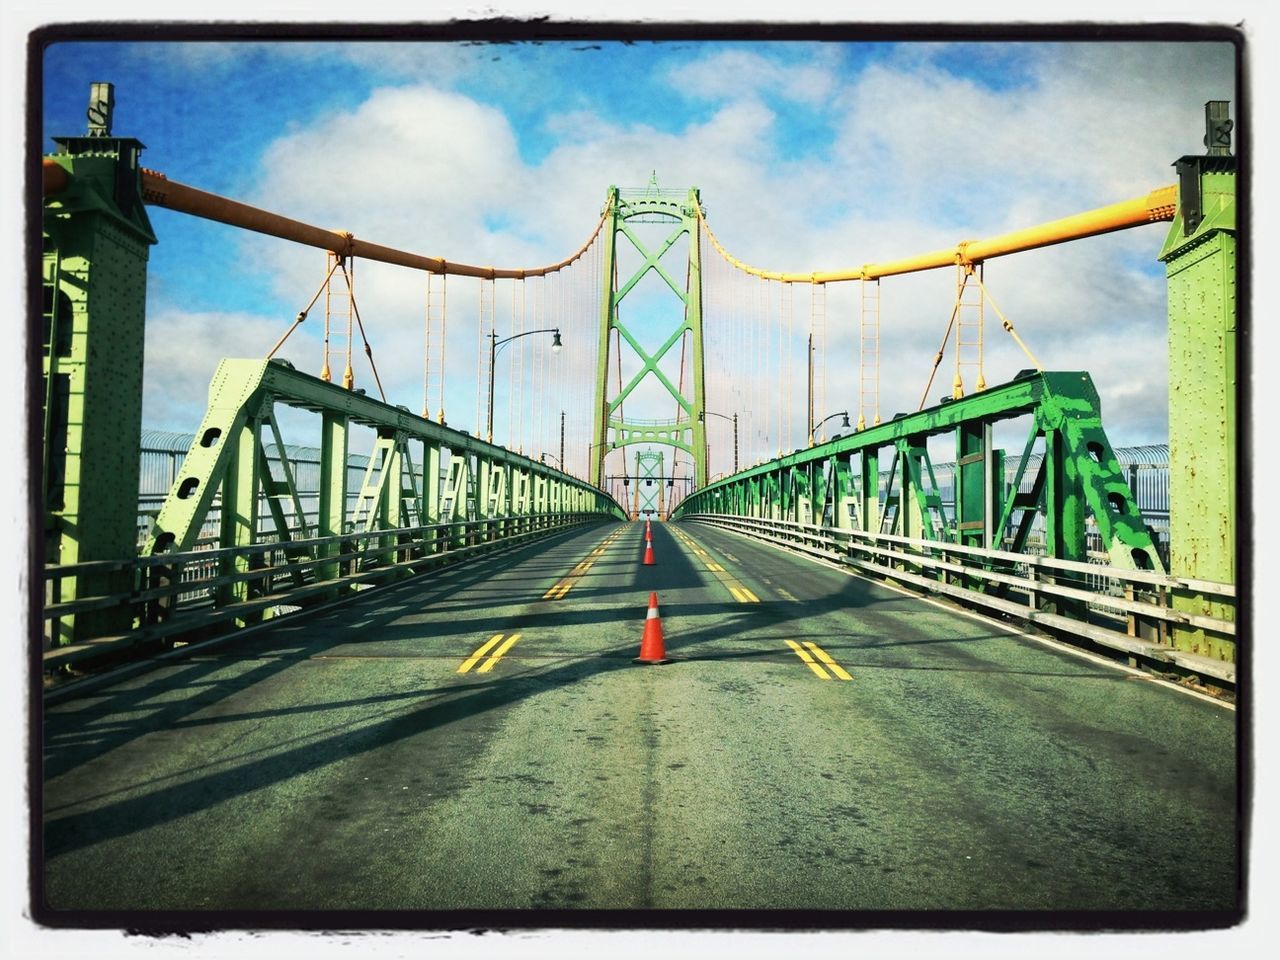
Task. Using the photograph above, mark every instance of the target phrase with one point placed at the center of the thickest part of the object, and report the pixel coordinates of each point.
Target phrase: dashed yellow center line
(497, 654)
(732, 583)
(822, 655)
(485, 648)
(558, 591)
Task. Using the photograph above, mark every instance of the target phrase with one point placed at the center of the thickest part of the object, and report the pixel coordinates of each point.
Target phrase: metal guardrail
(173, 594)
(1058, 594)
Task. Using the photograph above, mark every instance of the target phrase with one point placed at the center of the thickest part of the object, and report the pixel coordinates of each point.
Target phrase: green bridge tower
(649, 492)
(687, 431)
(96, 242)
(1200, 263)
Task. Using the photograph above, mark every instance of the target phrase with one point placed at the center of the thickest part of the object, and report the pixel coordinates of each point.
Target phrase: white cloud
(922, 160)
(181, 352)
(1099, 122)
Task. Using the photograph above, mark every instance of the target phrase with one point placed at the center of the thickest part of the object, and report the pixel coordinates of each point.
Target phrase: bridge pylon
(1199, 254)
(611, 430)
(96, 243)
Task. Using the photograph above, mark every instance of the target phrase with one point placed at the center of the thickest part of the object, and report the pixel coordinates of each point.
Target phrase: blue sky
(809, 156)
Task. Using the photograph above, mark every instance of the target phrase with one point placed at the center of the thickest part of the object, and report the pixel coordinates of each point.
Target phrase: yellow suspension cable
(786, 309)
(444, 337)
(302, 314)
(426, 352)
(1158, 205)
(349, 374)
(1009, 327)
(937, 361)
(368, 350)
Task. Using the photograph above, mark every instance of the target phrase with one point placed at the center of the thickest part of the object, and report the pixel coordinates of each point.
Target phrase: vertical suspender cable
(349, 374)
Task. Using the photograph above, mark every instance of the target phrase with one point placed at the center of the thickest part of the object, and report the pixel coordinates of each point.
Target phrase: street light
(553, 457)
(844, 425)
(495, 343)
(702, 419)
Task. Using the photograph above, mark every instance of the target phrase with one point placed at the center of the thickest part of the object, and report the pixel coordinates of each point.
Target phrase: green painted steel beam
(1079, 475)
(241, 398)
(608, 309)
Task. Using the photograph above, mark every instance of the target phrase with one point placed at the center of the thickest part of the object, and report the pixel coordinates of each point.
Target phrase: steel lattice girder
(1079, 473)
(485, 480)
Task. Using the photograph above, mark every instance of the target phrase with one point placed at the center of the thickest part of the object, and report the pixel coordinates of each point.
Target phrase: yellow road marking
(558, 590)
(471, 661)
(803, 654)
(740, 593)
(787, 595)
(497, 654)
(822, 655)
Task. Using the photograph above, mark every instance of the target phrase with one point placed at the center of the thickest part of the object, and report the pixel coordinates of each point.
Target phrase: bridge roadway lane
(343, 761)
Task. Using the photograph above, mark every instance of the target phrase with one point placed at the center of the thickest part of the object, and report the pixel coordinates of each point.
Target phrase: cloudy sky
(809, 156)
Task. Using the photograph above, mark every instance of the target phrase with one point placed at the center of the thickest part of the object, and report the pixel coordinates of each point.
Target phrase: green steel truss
(650, 477)
(685, 432)
(881, 480)
(462, 479)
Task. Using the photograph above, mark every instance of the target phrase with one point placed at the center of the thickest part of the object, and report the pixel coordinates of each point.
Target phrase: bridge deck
(343, 761)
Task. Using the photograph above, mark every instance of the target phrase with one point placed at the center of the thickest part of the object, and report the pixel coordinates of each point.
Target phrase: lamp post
(558, 461)
(844, 424)
(702, 418)
(495, 343)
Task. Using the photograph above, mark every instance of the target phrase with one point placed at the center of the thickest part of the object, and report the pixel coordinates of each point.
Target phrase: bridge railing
(428, 495)
(1069, 501)
(181, 595)
(1116, 608)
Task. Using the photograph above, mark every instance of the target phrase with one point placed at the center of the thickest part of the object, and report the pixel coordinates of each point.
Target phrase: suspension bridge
(623, 636)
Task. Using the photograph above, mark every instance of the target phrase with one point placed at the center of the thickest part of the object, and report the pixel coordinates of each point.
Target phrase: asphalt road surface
(818, 743)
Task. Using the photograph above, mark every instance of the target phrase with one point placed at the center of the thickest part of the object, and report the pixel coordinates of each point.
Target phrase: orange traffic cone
(652, 648)
(648, 554)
